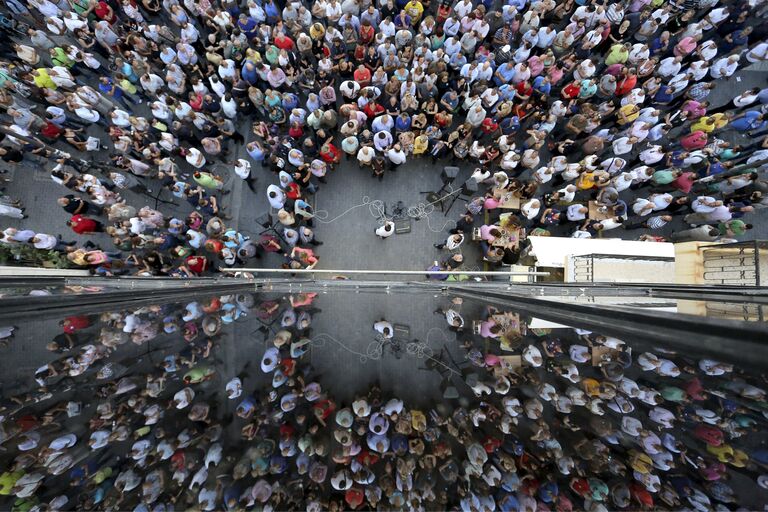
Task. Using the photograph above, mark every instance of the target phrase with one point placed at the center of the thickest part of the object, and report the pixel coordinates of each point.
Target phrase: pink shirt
(694, 108)
(614, 69)
(685, 46)
(695, 140)
(485, 232)
(535, 65)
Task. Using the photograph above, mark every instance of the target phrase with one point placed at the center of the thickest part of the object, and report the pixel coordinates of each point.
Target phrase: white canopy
(552, 251)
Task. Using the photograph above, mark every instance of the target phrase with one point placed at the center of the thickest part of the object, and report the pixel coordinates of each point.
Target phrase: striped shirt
(656, 222)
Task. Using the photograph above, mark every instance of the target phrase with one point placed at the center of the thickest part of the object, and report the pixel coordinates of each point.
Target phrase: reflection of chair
(449, 390)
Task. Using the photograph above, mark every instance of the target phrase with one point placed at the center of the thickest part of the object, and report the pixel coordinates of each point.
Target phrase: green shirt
(737, 227)
(206, 179)
(617, 54)
(663, 177)
(60, 58)
(673, 394)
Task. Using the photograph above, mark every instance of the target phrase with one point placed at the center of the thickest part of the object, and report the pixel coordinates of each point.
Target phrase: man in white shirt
(276, 197)
(669, 67)
(724, 67)
(623, 145)
(577, 212)
(396, 157)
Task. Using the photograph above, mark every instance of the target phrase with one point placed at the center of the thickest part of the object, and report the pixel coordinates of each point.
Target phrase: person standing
(386, 230)
(396, 157)
(452, 242)
(84, 225)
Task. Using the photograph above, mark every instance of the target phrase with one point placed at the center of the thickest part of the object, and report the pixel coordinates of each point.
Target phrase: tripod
(448, 175)
(467, 189)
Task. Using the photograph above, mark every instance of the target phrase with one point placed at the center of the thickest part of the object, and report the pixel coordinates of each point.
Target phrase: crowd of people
(555, 103)
(580, 422)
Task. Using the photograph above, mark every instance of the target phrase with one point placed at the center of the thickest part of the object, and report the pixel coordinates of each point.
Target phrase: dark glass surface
(274, 401)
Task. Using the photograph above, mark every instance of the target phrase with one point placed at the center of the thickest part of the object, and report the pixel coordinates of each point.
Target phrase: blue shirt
(539, 85)
(290, 101)
(507, 71)
(509, 125)
(453, 102)
(250, 76)
(750, 121)
(256, 153)
(272, 12)
(519, 4)
(507, 92)
(248, 28)
(106, 87)
(458, 60)
(402, 125)
(662, 96)
(762, 96)
(655, 46)
(676, 159)
(403, 23)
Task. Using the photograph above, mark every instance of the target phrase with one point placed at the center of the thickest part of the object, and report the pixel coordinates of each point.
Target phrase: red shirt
(197, 264)
(372, 109)
(292, 191)
(102, 11)
(366, 34)
(489, 125)
(284, 42)
(214, 246)
(443, 12)
(82, 225)
(332, 154)
(75, 323)
(363, 77)
(197, 102)
(307, 256)
(695, 140)
(354, 497)
(626, 85)
(295, 132)
(50, 130)
(524, 88)
(571, 91)
(684, 182)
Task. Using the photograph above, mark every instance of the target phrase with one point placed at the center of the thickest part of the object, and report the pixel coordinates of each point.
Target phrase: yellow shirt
(640, 462)
(721, 120)
(703, 123)
(43, 79)
(418, 421)
(586, 181)
(414, 10)
(420, 144)
(630, 112)
(591, 386)
(316, 31)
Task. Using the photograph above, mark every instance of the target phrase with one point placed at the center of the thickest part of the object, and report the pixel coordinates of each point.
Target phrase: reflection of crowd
(556, 103)
(560, 420)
